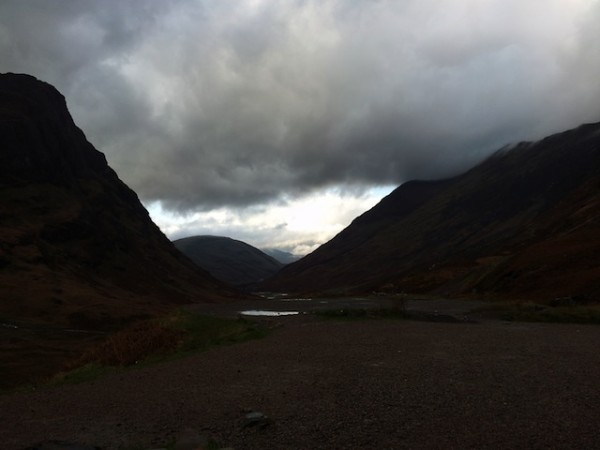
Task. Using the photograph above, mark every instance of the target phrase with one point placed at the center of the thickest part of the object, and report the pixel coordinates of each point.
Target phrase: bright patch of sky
(297, 225)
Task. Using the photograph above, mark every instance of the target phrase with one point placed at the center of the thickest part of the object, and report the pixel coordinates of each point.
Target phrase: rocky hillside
(523, 224)
(229, 260)
(77, 248)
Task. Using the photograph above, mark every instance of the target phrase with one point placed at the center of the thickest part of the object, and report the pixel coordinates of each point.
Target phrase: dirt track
(341, 385)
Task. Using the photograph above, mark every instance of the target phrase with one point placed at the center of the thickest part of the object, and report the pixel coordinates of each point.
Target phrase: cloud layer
(222, 103)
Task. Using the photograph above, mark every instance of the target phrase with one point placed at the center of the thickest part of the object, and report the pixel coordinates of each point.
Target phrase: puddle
(295, 299)
(259, 312)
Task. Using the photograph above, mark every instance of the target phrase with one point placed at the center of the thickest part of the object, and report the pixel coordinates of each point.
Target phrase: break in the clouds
(210, 105)
(296, 225)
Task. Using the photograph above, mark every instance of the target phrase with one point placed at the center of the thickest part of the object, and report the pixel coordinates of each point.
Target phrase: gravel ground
(343, 385)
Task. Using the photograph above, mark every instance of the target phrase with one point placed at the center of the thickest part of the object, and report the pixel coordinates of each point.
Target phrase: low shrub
(153, 340)
(133, 344)
(362, 313)
(531, 312)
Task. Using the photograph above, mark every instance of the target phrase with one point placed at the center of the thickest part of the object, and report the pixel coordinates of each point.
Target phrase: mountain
(229, 260)
(524, 224)
(280, 255)
(77, 248)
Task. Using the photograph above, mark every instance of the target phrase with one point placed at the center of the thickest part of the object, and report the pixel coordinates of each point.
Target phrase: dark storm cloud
(205, 103)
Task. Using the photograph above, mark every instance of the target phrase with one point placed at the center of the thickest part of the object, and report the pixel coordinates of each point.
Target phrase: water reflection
(260, 312)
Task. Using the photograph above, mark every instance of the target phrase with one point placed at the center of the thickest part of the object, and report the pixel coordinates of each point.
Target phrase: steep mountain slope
(229, 260)
(77, 248)
(524, 223)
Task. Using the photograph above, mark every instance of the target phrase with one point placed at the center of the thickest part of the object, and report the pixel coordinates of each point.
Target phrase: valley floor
(342, 385)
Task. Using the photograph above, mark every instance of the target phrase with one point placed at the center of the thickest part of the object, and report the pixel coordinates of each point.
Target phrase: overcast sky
(277, 122)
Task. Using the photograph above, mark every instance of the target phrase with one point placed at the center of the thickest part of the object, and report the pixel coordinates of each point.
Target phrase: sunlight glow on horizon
(297, 225)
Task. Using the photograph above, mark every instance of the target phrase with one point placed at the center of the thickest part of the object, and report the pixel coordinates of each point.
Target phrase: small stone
(255, 416)
(256, 419)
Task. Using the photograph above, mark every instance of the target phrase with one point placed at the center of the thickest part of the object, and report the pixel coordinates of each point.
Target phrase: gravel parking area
(342, 385)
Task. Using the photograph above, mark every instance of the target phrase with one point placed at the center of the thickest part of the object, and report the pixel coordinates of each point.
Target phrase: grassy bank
(151, 341)
(397, 312)
(533, 312)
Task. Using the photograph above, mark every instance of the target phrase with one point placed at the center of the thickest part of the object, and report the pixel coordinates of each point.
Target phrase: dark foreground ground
(370, 384)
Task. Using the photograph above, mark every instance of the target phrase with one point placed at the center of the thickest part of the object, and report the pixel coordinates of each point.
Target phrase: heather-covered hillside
(523, 224)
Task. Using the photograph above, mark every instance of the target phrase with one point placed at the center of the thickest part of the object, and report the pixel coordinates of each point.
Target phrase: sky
(278, 122)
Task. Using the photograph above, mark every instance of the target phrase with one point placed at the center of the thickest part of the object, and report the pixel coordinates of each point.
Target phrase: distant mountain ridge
(77, 247)
(232, 261)
(525, 223)
(281, 255)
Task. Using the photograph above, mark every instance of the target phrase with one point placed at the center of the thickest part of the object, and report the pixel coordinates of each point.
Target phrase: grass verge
(362, 313)
(532, 312)
(151, 341)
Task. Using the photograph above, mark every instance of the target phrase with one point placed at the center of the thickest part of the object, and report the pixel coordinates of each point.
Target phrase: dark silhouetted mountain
(77, 247)
(525, 223)
(281, 256)
(229, 260)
